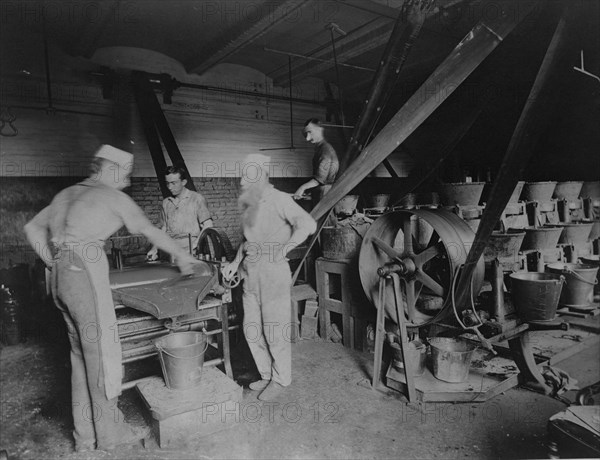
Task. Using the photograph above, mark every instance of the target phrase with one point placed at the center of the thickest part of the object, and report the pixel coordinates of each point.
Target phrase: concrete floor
(328, 412)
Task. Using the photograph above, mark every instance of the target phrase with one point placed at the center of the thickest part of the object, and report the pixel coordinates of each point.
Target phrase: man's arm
(153, 252)
(302, 223)
(136, 222)
(36, 231)
(304, 187)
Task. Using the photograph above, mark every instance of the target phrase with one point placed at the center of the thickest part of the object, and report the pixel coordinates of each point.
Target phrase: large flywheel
(425, 247)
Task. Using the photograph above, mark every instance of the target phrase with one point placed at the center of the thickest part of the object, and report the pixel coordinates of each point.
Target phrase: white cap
(120, 157)
(260, 160)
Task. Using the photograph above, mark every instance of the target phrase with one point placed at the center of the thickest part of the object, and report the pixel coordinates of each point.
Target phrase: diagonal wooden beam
(463, 60)
(406, 30)
(531, 125)
(217, 52)
(143, 94)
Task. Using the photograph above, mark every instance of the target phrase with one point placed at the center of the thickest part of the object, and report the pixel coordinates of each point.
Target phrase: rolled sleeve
(322, 171)
(202, 211)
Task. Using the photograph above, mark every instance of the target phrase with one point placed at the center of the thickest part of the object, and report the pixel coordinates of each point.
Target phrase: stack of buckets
(181, 357)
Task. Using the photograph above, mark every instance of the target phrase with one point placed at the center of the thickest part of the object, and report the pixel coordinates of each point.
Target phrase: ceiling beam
(216, 52)
(359, 41)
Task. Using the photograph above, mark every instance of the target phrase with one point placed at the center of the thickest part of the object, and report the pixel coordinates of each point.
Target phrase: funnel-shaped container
(346, 206)
(535, 295)
(595, 233)
(503, 245)
(408, 201)
(568, 190)
(428, 198)
(379, 200)
(451, 359)
(538, 238)
(590, 190)
(461, 193)
(575, 232)
(514, 198)
(580, 280)
(538, 191)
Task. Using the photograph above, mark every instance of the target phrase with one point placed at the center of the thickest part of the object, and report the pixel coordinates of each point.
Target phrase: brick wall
(22, 197)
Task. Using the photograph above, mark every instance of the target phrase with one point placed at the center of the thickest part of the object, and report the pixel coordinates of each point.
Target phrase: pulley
(425, 247)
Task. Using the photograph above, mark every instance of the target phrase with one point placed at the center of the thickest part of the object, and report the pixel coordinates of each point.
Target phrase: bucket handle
(180, 357)
(577, 275)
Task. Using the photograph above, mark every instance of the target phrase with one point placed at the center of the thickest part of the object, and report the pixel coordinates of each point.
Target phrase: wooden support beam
(142, 90)
(406, 30)
(162, 125)
(463, 60)
(216, 52)
(531, 125)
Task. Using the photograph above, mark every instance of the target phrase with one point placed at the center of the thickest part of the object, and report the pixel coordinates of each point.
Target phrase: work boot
(259, 385)
(132, 434)
(271, 392)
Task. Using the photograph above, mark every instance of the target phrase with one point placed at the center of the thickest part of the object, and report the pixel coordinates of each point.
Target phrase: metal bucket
(503, 245)
(461, 193)
(538, 191)
(340, 243)
(580, 280)
(451, 359)
(181, 356)
(535, 295)
(416, 352)
(594, 261)
(346, 206)
(568, 190)
(576, 232)
(538, 238)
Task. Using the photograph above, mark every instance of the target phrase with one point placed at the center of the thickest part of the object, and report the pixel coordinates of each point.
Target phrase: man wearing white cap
(273, 224)
(68, 235)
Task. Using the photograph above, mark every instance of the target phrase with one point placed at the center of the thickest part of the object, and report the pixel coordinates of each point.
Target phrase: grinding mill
(152, 300)
(409, 264)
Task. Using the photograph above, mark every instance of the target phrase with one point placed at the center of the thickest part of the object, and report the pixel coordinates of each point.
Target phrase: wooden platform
(487, 378)
(182, 415)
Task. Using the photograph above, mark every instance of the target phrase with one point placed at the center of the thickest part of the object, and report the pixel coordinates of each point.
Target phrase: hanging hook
(583, 71)
(8, 117)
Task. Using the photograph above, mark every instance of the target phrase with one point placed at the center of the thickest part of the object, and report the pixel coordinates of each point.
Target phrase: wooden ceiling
(266, 35)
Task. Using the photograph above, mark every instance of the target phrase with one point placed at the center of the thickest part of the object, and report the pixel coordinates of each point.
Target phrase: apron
(96, 269)
(91, 258)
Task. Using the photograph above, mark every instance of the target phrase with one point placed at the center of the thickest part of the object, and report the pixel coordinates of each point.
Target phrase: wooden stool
(300, 293)
(340, 291)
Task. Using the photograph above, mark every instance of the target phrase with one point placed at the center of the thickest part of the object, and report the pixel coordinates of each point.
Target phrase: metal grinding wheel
(214, 245)
(425, 247)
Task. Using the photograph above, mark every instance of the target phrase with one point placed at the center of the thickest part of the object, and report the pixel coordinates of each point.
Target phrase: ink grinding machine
(152, 299)
(409, 264)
